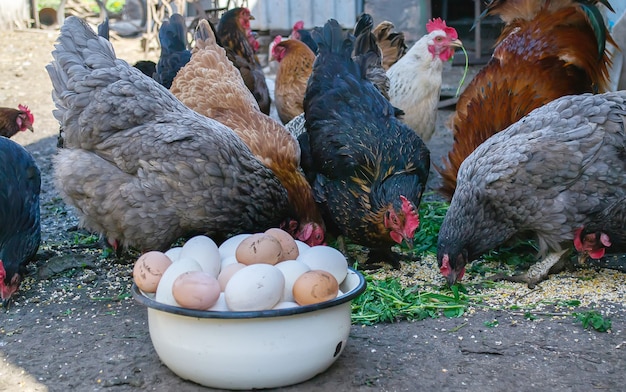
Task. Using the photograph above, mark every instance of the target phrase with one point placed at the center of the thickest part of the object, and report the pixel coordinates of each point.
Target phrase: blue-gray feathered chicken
(139, 166)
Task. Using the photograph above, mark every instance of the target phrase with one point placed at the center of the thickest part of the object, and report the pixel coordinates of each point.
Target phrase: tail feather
(173, 34)
(596, 21)
(368, 56)
(78, 52)
(365, 23)
(206, 35)
(103, 28)
(331, 39)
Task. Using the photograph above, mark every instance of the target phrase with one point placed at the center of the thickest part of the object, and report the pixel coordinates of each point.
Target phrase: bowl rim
(143, 299)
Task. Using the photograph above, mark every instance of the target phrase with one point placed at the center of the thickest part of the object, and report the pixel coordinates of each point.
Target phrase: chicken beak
(451, 278)
(409, 242)
(31, 129)
(252, 17)
(456, 43)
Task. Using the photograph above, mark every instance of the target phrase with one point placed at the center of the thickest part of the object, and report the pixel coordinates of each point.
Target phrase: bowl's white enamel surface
(245, 350)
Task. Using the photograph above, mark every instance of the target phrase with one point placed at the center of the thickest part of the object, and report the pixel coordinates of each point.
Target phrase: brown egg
(287, 243)
(227, 272)
(315, 286)
(196, 290)
(148, 270)
(259, 248)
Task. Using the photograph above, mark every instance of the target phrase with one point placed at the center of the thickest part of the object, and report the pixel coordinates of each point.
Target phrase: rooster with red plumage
(546, 50)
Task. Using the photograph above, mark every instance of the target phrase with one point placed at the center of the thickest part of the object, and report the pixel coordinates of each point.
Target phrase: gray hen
(544, 178)
(140, 167)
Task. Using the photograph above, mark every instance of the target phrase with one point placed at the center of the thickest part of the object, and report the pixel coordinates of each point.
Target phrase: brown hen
(211, 85)
(13, 121)
(295, 62)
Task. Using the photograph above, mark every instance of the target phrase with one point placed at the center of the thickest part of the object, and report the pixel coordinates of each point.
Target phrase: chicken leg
(554, 262)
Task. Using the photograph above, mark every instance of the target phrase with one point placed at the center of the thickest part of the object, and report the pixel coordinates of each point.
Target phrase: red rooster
(20, 230)
(547, 49)
(13, 121)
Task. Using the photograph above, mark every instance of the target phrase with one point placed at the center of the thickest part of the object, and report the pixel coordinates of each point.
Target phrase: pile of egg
(248, 272)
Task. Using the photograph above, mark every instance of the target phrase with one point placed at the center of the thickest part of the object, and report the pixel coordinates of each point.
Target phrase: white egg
(220, 305)
(255, 287)
(302, 247)
(229, 246)
(164, 289)
(285, 305)
(291, 269)
(227, 261)
(174, 253)
(327, 259)
(204, 250)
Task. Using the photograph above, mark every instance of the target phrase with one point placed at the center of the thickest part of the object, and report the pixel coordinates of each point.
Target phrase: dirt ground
(73, 325)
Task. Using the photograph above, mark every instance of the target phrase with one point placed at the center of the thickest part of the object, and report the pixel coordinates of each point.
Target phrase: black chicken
(545, 177)
(174, 52)
(235, 36)
(368, 170)
(20, 230)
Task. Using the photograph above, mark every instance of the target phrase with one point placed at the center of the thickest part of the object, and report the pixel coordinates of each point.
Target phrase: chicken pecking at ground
(233, 34)
(295, 62)
(212, 86)
(140, 167)
(547, 49)
(368, 170)
(174, 52)
(416, 78)
(543, 178)
(391, 44)
(13, 121)
(20, 231)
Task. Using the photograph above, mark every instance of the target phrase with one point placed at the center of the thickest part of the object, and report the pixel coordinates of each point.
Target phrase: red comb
(299, 25)
(439, 24)
(278, 39)
(25, 109)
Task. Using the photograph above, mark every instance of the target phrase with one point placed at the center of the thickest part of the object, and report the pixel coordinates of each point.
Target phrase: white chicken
(416, 77)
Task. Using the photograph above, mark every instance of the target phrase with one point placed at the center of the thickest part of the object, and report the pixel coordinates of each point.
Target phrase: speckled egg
(314, 287)
(259, 248)
(149, 269)
(287, 243)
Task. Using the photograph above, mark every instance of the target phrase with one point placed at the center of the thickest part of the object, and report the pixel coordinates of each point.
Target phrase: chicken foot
(538, 272)
(383, 255)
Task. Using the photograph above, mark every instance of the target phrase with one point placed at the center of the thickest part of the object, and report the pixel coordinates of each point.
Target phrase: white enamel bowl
(246, 350)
